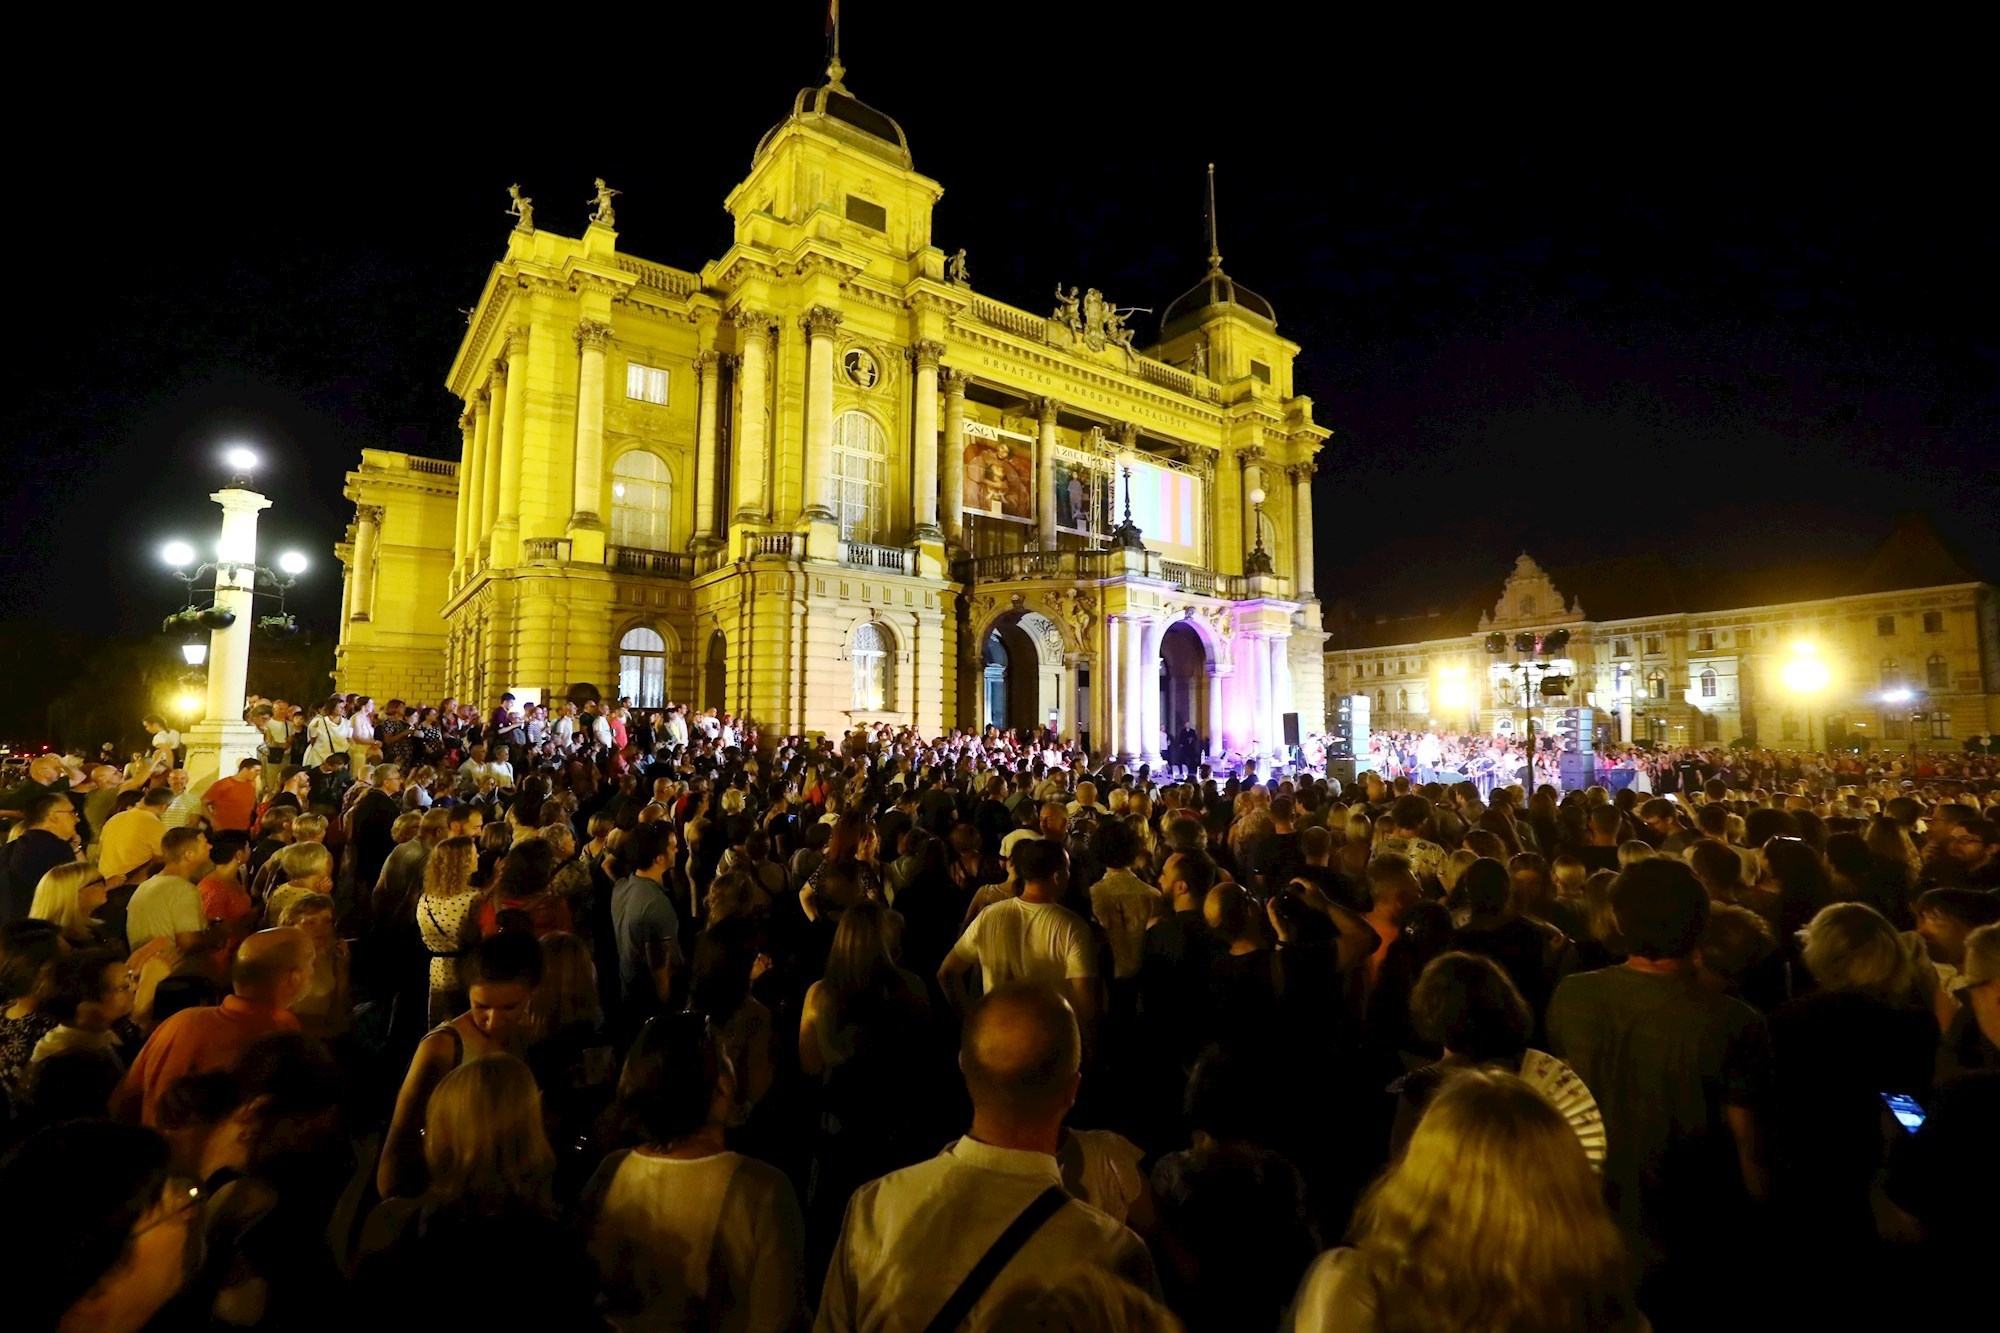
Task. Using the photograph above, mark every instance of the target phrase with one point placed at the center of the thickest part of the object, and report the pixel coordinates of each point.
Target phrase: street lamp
(194, 652)
(1259, 560)
(1806, 675)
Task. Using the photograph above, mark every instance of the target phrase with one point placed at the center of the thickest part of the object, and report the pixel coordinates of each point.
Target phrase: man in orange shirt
(272, 969)
(231, 802)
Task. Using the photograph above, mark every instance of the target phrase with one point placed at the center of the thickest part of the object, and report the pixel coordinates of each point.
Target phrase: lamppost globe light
(1256, 495)
(178, 554)
(292, 562)
(241, 458)
(1806, 674)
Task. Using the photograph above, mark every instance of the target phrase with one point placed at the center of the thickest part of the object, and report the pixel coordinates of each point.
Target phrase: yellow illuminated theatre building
(824, 481)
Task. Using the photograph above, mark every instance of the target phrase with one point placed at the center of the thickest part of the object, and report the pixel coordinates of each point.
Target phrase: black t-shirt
(1833, 1054)
(1947, 1173)
(1596, 858)
(1519, 948)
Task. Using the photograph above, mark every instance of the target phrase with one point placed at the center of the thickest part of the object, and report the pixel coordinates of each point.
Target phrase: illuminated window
(641, 502)
(1885, 626)
(1656, 684)
(1708, 684)
(1940, 726)
(860, 476)
(874, 660)
(1704, 642)
(1933, 622)
(642, 667)
(1892, 675)
(647, 384)
(1937, 672)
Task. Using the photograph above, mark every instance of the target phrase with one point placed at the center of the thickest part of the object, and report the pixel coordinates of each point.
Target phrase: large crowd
(594, 1017)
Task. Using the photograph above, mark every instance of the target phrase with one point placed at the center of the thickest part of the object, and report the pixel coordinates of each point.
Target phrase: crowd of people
(635, 1019)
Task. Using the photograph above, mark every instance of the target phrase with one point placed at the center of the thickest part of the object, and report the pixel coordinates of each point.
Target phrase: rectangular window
(872, 216)
(1940, 726)
(647, 384)
(1885, 626)
(1260, 372)
(1704, 642)
(1895, 727)
(1791, 728)
(1621, 648)
(1652, 645)
(1933, 622)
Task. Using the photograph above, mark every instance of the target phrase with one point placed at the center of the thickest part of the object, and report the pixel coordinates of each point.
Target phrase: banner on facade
(999, 473)
(1166, 504)
(1083, 496)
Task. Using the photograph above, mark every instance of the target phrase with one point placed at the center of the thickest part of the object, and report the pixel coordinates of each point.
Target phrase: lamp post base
(214, 749)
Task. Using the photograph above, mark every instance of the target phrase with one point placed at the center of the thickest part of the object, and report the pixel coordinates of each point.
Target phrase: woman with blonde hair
(303, 868)
(1492, 1220)
(448, 921)
(70, 896)
(491, 1175)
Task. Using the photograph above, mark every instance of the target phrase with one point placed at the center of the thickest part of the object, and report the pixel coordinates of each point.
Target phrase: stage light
(1555, 687)
(188, 704)
(240, 458)
(292, 563)
(1524, 643)
(1897, 696)
(178, 554)
(194, 652)
(1553, 644)
(1496, 642)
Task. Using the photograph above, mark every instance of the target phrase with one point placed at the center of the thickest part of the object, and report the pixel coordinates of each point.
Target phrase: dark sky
(1733, 314)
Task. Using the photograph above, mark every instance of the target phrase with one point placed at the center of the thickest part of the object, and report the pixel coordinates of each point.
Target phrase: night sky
(1652, 311)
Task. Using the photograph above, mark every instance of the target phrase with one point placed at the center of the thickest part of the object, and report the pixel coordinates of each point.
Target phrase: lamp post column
(223, 739)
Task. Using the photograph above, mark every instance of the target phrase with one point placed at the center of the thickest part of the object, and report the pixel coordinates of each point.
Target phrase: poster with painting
(1081, 493)
(999, 477)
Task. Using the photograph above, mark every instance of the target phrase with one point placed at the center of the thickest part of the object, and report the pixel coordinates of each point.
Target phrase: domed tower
(838, 170)
(1223, 331)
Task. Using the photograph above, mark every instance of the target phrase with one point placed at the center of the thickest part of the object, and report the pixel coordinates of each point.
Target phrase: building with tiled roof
(1905, 644)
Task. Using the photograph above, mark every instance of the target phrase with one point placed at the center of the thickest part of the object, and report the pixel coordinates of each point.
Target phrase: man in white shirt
(169, 903)
(185, 806)
(1122, 902)
(677, 728)
(1031, 938)
(910, 1240)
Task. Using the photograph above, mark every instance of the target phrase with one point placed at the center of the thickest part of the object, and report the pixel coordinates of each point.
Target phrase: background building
(824, 481)
(1909, 640)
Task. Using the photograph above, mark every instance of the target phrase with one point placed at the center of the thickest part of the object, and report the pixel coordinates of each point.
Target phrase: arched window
(860, 477)
(874, 659)
(1381, 702)
(1402, 701)
(1711, 728)
(1892, 675)
(641, 502)
(1708, 684)
(1656, 684)
(1937, 672)
(642, 667)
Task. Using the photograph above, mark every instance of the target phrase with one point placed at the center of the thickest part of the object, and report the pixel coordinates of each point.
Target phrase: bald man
(272, 969)
(911, 1241)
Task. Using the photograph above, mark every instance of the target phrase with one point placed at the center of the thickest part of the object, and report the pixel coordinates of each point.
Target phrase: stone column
(1045, 473)
(468, 429)
(1132, 747)
(489, 461)
(367, 533)
(1302, 530)
(472, 480)
(708, 379)
(820, 324)
(1226, 551)
(924, 440)
(1216, 681)
(954, 455)
(1253, 676)
(1107, 685)
(753, 422)
(507, 534)
(1281, 669)
(592, 337)
(1149, 699)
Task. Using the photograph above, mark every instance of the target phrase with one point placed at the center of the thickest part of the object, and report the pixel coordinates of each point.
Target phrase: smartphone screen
(1904, 1107)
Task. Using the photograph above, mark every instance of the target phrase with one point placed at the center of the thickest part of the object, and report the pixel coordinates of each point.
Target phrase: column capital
(750, 322)
(1045, 410)
(1301, 472)
(706, 361)
(499, 369)
(1125, 432)
(466, 419)
(820, 322)
(953, 381)
(1251, 453)
(592, 335)
(368, 514)
(731, 361)
(926, 352)
(482, 399)
(517, 339)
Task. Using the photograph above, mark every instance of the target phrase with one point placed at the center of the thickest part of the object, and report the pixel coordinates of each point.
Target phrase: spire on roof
(834, 69)
(1214, 248)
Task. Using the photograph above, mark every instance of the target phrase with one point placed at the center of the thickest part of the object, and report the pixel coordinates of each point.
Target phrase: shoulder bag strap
(997, 1257)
